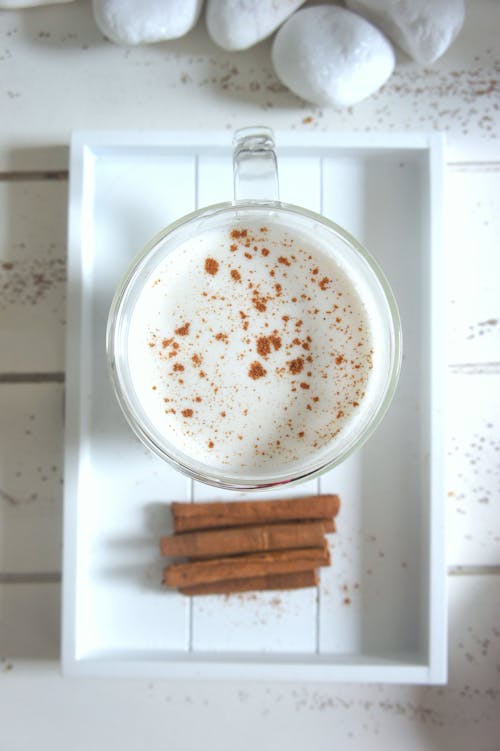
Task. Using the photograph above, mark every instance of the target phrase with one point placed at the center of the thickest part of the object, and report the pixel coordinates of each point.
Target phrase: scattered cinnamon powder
(182, 331)
(339, 359)
(235, 233)
(256, 370)
(265, 251)
(211, 266)
(259, 302)
(187, 412)
(165, 343)
(235, 275)
(178, 367)
(279, 289)
(296, 366)
(284, 261)
(211, 444)
(233, 247)
(304, 386)
(221, 337)
(275, 341)
(323, 284)
(196, 360)
(263, 346)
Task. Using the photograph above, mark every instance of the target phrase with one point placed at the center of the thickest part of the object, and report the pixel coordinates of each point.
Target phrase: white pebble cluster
(326, 54)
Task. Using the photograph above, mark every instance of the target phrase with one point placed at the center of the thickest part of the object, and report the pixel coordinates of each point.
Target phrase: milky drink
(250, 348)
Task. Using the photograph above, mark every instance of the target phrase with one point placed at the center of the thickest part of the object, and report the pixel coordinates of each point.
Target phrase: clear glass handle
(255, 169)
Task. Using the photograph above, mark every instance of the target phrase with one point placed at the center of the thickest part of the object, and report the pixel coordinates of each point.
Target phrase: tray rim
(85, 144)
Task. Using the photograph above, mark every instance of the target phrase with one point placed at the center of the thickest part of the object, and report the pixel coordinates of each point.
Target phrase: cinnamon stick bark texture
(245, 566)
(296, 580)
(197, 516)
(233, 541)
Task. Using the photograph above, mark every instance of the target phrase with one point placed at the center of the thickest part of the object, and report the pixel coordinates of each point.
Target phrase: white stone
(145, 21)
(239, 24)
(328, 55)
(424, 29)
(11, 4)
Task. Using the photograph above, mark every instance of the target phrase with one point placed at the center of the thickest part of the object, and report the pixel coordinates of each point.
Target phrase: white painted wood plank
(32, 275)
(461, 715)
(473, 264)
(113, 485)
(189, 83)
(473, 469)
(31, 473)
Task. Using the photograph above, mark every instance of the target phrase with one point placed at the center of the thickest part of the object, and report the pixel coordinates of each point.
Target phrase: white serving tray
(379, 613)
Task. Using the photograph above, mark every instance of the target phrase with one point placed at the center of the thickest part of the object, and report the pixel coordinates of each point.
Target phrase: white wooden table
(57, 74)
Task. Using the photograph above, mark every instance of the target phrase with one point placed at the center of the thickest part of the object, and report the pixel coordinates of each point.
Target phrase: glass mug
(254, 343)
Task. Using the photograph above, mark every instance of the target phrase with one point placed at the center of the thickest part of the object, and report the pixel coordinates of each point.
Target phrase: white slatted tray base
(379, 613)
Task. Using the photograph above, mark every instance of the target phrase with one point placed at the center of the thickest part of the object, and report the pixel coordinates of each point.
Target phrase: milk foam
(250, 348)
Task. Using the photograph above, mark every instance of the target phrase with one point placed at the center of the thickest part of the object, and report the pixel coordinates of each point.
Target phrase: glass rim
(217, 477)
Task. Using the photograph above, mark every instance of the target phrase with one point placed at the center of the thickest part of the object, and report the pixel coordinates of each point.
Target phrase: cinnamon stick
(236, 540)
(197, 516)
(245, 566)
(295, 580)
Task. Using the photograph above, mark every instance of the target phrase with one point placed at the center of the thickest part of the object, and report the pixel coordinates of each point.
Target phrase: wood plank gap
(475, 368)
(474, 570)
(12, 378)
(489, 166)
(50, 577)
(33, 175)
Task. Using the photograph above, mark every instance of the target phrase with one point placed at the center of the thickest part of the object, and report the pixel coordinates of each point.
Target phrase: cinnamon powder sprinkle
(304, 386)
(183, 330)
(296, 366)
(263, 346)
(187, 412)
(235, 275)
(165, 343)
(323, 284)
(275, 341)
(178, 367)
(256, 370)
(265, 251)
(211, 266)
(259, 303)
(284, 261)
(196, 360)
